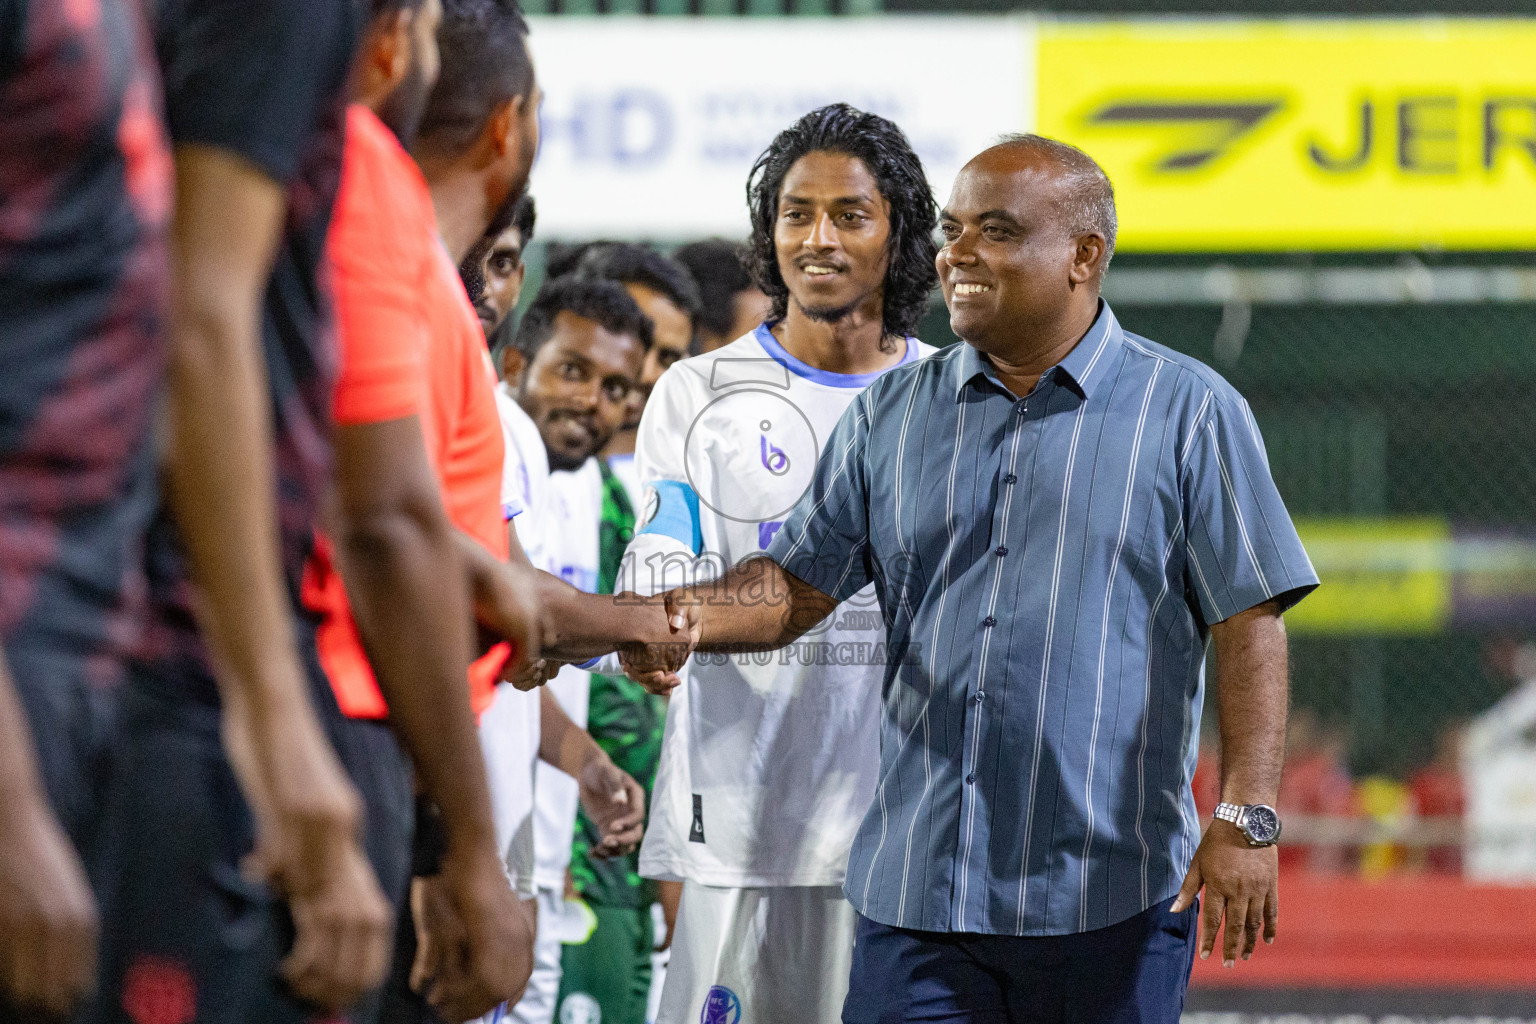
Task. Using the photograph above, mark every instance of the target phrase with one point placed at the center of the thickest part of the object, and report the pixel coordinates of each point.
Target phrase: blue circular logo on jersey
(721, 1006)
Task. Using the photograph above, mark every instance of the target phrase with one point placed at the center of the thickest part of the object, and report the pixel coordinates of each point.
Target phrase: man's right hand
(48, 924)
(655, 665)
(307, 821)
(475, 941)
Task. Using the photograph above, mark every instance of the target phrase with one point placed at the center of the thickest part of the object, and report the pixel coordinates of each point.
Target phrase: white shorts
(509, 741)
(759, 956)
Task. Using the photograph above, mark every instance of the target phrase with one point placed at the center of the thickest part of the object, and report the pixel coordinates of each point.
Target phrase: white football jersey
(769, 761)
(509, 729)
(573, 506)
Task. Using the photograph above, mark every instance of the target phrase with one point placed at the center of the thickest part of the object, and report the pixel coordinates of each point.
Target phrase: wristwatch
(1257, 822)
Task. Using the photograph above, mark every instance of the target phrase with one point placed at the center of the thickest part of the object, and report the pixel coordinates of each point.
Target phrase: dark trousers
(187, 937)
(1133, 972)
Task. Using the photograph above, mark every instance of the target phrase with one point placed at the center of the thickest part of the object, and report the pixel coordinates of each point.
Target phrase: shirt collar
(779, 354)
(1088, 363)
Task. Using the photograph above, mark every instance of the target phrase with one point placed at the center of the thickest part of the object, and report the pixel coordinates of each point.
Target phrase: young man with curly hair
(768, 764)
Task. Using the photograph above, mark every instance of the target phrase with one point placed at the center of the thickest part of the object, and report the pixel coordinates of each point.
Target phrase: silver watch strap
(1229, 812)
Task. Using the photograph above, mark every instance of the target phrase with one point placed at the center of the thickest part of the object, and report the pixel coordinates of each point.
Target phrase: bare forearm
(405, 581)
(220, 490)
(19, 781)
(573, 626)
(1252, 692)
(220, 480)
(581, 626)
(562, 743)
(757, 605)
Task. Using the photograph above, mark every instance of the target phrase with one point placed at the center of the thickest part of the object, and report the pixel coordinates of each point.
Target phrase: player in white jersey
(577, 357)
(769, 761)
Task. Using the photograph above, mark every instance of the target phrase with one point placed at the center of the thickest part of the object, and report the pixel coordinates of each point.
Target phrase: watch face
(1263, 824)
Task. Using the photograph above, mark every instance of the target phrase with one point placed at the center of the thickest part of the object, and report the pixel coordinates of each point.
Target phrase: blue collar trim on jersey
(780, 355)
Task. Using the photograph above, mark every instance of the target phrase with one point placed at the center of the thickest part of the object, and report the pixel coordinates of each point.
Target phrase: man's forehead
(821, 172)
(577, 336)
(1017, 187)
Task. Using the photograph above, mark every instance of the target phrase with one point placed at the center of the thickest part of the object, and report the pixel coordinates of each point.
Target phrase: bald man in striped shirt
(1058, 517)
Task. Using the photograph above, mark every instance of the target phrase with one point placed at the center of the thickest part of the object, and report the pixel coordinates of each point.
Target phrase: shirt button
(989, 622)
(981, 695)
(1002, 549)
(1010, 479)
(971, 778)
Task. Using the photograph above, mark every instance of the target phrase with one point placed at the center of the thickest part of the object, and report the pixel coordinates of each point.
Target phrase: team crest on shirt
(580, 1008)
(721, 1006)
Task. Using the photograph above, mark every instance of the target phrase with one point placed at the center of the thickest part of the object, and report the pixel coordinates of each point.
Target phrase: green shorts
(610, 973)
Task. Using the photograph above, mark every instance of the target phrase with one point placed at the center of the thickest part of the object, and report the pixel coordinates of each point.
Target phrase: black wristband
(429, 842)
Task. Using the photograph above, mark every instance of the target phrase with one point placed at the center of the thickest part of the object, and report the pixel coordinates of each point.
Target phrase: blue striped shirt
(1047, 568)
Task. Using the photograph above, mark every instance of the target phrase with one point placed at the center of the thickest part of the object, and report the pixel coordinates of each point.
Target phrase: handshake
(655, 664)
(755, 606)
(653, 636)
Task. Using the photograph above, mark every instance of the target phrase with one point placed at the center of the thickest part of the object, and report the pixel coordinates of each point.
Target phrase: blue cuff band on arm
(676, 513)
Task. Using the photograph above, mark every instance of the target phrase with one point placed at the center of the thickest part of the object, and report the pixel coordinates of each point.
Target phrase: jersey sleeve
(381, 323)
(668, 546)
(1241, 546)
(515, 496)
(252, 76)
(825, 540)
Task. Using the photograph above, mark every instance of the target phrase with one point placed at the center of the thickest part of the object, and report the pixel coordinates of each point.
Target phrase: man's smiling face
(1008, 254)
(832, 236)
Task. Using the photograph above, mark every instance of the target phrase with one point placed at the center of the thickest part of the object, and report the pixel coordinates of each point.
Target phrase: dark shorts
(1134, 972)
(189, 939)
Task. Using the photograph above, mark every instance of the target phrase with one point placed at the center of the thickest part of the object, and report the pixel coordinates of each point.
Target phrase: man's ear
(512, 366)
(386, 54)
(1088, 259)
(500, 127)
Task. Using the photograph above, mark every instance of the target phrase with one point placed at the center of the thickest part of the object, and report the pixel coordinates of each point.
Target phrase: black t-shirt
(85, 180)
(266, 81)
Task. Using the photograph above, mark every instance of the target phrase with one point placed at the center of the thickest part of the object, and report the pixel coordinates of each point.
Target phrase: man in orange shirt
(402, 433)
(415, 400)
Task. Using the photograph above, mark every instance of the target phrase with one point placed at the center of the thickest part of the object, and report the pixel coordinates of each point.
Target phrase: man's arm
(48, 923)
(514, 600)
(613, 800)
(758, 605)
(219, 475)
(408, 593)
(1252, 691)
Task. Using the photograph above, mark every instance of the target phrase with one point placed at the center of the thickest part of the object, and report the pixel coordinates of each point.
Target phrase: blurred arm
(220, 487)
(48, 922)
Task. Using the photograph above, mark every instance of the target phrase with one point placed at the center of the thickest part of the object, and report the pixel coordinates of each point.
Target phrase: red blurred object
(1405, 932)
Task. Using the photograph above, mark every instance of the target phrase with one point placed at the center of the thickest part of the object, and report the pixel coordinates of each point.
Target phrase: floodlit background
(1334, 205)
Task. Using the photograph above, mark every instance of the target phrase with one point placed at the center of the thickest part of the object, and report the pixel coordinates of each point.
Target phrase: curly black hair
(883, 148)
(605, 302)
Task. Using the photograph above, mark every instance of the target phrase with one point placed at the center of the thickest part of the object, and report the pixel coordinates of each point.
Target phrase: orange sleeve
(377, 263)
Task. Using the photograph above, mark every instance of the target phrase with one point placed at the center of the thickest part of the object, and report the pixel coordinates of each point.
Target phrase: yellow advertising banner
(1379, 576)
(1320, 135)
